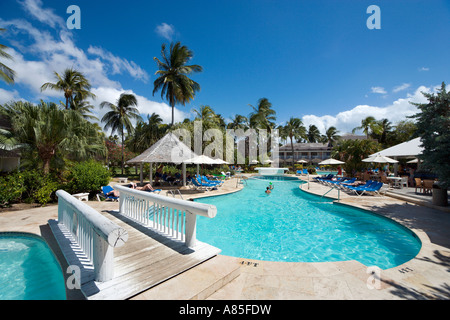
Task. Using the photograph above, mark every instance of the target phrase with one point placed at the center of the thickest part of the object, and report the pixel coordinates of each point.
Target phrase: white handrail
(174, 217)
(95, 234)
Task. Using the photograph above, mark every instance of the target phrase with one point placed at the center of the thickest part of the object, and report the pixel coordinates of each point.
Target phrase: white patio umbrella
(380, 159)
(202, 159)
(219, 161)
(331, 161)
(414, 161)
(302, 161)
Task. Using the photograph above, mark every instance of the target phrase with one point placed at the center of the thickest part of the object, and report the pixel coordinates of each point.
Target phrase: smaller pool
(321, 173)
(28, 269)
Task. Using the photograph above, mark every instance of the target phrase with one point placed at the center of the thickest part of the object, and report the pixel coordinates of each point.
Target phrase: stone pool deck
(427, 276)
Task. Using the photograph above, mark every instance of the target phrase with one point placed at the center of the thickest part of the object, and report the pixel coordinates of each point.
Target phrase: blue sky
(315, 60)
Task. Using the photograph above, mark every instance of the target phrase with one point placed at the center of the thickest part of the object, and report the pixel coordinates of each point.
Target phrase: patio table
(396, 181)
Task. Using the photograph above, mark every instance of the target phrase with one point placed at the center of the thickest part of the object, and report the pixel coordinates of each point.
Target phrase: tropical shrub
(27, 186)
(11, 189)
(88, 176)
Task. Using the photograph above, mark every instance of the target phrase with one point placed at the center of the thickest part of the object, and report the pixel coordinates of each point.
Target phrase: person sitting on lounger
(113, 193)
(147, 187)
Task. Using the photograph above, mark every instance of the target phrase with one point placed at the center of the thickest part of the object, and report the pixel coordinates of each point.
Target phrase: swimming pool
(294, 226)
(28, 269)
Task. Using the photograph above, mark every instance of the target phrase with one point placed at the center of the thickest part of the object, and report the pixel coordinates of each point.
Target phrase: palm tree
(73, 84)
(313, 134)
(263, 116)
(294, 129)
(208, 117)
(147, 133)
(50, 132)
(331, 135)
(173, 80)
(120, 116)
(84, 108)
(385, 128)
(368, 125)
(6, 74)
(238, 122)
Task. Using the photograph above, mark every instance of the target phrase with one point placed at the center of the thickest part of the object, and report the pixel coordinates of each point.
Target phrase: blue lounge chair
(216, 182)
(372, 186)
(299, 172)
(202, 185)
(305, 172)
(106, 190)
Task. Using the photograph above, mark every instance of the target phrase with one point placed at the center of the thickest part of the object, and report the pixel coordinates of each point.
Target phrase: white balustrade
(175, 218)
(95, 234)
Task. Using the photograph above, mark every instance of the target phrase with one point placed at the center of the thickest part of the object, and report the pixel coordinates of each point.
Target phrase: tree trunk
(122, 148)
(46, 154)
(292, 149)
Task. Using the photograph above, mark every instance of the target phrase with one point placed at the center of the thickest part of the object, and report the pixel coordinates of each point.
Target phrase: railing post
(103, 259)
(191, 229)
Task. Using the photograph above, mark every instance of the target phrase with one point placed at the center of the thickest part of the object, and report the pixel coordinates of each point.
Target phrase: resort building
(311, 152)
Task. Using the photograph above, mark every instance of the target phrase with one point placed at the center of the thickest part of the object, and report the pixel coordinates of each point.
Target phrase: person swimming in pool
(268, 190)
(270, 186)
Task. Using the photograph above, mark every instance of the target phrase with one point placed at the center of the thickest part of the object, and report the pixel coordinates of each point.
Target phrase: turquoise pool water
(321, 173)
(28, 269)
(294, 226)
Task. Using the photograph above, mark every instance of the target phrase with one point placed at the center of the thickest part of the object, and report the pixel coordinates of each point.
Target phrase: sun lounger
(202, 185)
(370, 187)
(216, 182)
(104, 194)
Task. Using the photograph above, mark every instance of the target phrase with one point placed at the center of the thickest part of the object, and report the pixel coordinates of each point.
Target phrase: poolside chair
(216, 182)
(427, 186)
(418, 184)
(227, 174)
(358, 189)
(305, 172)
(198, 185)
(104, 194)
(298, 172)
(373, 187)
(404, 182)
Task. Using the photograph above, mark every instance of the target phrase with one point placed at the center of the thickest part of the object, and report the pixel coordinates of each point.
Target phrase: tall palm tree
(208, 117)
(294, 129)
(120, 116)
(173, 80)
(368, 125)
(331, 135)
(74, 85)
(313, 134)
(385, 128)
(238, 122)
(6, 74)
(263, 116)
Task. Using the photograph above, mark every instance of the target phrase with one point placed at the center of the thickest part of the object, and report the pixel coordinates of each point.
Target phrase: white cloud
(401, 87)
(165, 30)
(347, 120)
(47, 16)
(378, 90)
(424, 69)
(8, 96)
(119, 65)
